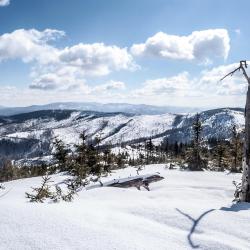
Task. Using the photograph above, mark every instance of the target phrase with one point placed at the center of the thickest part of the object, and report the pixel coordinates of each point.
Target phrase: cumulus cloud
(181, 89)
(97, 58)
(4, 2)
(51, 81)
(175, 85)
(202, 46)
(29, 45)
(207, 84)
(62, 68)
(232, 85)
(66, 70)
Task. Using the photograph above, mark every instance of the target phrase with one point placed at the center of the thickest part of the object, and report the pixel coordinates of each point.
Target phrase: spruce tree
(79, 166)
(194, 156)
(41, 193)
(221, 156)
(107, 158)
(236, 150)
(60, 154)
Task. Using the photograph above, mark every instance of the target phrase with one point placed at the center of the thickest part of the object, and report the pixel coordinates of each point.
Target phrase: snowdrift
(185, 210)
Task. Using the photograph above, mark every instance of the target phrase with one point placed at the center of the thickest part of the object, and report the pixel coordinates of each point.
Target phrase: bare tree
(245, 186)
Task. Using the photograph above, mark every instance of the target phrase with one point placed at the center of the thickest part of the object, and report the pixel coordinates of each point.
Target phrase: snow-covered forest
(124, 125)
(135, 196)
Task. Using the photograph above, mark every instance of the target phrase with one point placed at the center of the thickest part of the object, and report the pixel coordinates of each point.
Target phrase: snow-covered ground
(185, 210)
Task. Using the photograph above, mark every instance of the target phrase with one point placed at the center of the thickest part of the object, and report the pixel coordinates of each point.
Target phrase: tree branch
(243, 66)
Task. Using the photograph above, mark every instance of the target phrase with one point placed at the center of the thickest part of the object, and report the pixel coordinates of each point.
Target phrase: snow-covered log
(137, 181)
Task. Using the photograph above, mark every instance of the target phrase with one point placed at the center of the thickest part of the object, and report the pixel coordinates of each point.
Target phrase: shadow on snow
(236, 207)
(195, 223)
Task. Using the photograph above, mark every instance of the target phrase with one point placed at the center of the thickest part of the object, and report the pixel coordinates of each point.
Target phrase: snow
(116, 218)
(116, 128)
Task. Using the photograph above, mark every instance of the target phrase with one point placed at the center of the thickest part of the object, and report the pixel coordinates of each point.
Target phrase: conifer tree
(107, 157)
(221, 156)
(79, 166)
(93, 161)
(41, 193)
(236, 150)
(60, 154)
(194, 157)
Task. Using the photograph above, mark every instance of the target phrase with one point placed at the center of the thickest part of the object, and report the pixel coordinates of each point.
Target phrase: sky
(159, 52)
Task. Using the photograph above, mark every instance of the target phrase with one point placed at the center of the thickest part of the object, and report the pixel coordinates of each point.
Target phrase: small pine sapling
(41, 193)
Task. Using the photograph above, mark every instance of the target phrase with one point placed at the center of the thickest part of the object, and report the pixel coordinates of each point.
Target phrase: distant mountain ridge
(30, 135)
(141, 109)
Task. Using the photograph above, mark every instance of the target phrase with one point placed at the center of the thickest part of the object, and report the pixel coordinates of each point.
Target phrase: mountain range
(30, 135)
(141, 109)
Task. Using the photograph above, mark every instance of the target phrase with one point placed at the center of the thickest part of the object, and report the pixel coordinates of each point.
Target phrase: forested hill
(31, 134)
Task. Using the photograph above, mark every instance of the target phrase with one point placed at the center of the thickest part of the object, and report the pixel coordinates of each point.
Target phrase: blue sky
(173, 68)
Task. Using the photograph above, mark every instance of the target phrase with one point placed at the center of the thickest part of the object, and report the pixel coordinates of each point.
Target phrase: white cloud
(209, 81)
(176, 85)
(75, 63)
(62, 72)
(51, 81)
(62, 68)
(202, 46)
(97, 58)
(182, 89)
(109, 86)
(29, 45)
(206, 85)
(4, 2)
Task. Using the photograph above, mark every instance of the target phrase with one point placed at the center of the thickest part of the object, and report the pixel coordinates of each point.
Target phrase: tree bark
(245, 186)
(137, 182)
(245, 196)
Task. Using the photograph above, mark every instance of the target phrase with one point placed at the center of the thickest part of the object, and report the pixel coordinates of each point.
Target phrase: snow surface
(185, 210)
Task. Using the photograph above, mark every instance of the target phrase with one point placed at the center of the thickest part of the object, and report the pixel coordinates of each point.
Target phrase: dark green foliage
(8, 172)
(41, 193)
(59, 195)
(194, 157)
(93, 161)
(236, 150)
(108, 161)
(120, 160)
(221, 156)
(61, 154)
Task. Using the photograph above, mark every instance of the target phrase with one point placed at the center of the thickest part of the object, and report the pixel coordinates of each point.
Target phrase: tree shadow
(195, 223)
(236, 207)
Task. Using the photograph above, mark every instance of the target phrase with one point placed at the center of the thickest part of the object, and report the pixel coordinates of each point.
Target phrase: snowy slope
(36, 131)
(112, 218)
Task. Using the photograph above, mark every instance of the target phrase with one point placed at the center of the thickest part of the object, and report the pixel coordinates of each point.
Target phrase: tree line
(88, 158)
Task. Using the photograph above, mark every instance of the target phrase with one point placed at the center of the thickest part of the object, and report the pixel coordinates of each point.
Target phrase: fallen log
(137, 181)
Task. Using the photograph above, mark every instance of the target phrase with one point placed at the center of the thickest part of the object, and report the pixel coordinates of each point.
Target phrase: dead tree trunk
(245, 186)
(245, 196)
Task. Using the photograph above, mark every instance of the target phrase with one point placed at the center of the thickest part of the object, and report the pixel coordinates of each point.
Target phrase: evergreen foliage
(195, 160)
(60, 154)
(41, 193)
(236, 150)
